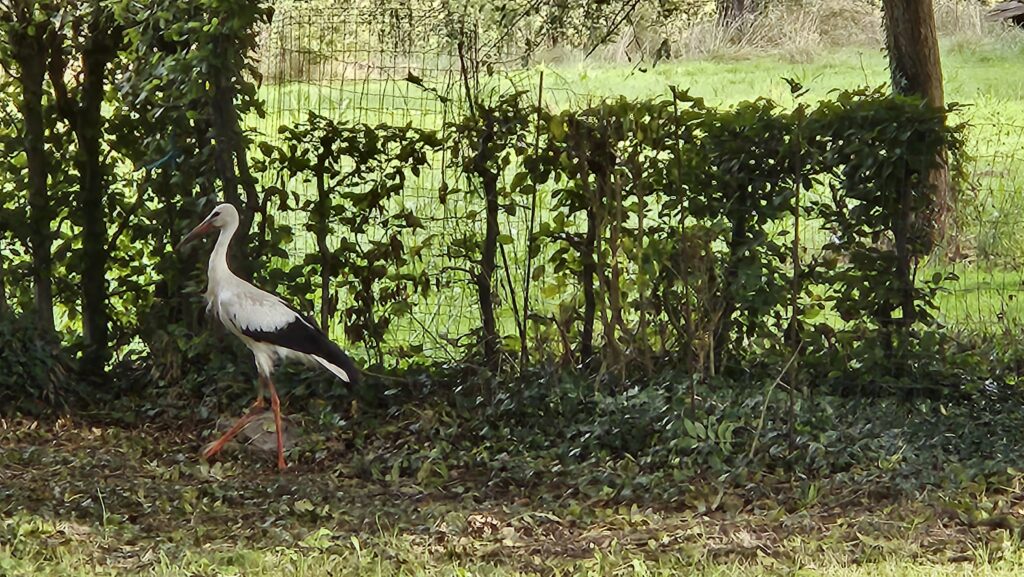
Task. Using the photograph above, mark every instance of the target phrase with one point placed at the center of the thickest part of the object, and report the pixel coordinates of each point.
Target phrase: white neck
(219, 271)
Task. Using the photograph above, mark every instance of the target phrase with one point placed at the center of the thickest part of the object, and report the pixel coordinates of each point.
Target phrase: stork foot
(210, 450)
(217, 445)
(275, 404)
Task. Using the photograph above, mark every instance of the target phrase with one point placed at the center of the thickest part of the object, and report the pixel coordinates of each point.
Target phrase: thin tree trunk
(724, 337)
(589, 272)
(4, 306)
(730, 11)
(916, 69)
(483, 169)
(321, 219)
(690, 334)
(588, 255)
(99, 51)
(523, 345)
(231, 159)
(612, 192)
(643, 296)
(904, 273)
(31, 55)
(488, 264)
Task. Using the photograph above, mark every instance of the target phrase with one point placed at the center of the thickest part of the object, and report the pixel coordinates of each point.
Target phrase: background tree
(25, 26)
(93, 37)
(913, 46)
(731, 11)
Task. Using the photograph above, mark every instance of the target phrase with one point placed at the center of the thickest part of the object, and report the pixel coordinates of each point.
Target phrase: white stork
(271, 328)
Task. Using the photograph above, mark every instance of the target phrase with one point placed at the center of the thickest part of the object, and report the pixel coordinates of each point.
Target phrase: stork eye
(215, 215)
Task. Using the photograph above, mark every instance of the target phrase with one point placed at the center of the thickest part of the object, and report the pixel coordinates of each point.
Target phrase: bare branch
(624, 13)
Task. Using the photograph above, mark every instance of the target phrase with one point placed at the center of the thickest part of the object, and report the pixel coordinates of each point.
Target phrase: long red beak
(203, 228)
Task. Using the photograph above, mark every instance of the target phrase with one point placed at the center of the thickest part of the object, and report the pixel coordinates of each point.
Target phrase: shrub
(33, 376)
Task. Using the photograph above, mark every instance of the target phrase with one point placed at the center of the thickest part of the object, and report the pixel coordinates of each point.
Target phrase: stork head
(223, 216)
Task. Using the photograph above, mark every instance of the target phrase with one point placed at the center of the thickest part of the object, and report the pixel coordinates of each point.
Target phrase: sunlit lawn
(396, 558)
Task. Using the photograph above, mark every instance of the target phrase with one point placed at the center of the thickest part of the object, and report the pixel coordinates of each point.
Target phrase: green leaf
(691, 428)
(519, 180)
(557, 127)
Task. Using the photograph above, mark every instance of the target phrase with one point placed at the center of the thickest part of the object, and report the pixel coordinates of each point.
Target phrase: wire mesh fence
(404, 69)
(988, 241)
(399, 65)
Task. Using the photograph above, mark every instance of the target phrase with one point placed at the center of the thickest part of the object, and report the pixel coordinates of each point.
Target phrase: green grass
(982, 76)
(394, 559)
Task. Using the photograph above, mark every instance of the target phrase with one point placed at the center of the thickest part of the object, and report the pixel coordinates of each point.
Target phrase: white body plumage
(270, 328)
(244, 309)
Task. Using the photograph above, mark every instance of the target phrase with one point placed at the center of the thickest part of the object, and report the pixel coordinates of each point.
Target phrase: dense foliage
(615, 240)
(631, 234)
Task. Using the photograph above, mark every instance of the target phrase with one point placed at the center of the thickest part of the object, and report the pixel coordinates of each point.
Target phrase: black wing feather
(304, 336)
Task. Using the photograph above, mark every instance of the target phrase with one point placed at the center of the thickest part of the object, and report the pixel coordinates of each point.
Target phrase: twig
(768, 398)
(464, 73)
(533, 218)
(624, 14)
(129, 214)
(527, 11)
(130, 289)
(385, 377)
(437, 339)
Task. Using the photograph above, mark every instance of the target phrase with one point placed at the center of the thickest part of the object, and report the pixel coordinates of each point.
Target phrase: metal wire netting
(987, 246)
(398, 65)
(395, 65)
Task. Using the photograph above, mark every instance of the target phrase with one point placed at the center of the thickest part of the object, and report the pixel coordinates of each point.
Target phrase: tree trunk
(4, 306)
(913, 48)
(730, 11)
(223, 151)
(916, 69)
(224, 146)
(31, 57)
(589, 272)
(100, 49)
(488, 264)
(231, 160)
(322, 219)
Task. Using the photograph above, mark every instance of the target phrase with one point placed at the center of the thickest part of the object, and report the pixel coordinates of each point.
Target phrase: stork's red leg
(257, 408)
(258, 403)
(275, 404)
(239, 425)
